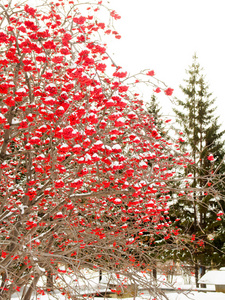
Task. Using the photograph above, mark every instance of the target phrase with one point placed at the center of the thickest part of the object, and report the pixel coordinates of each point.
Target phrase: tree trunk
(154, 273)
(202, 285)
(2, 292)
(49, 283)
(196, 274)
(32, 288)
(100, 275)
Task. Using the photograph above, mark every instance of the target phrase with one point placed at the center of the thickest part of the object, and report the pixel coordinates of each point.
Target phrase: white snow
(98, 143)
(142, 164)
(214, 277)
(15, 120)
(116, 147)
(22, 207)
(121, 119)
(64, 145)
(108, 147)
(21, 90)
(92, 284)
(196, 296)
(42, 55)
(2, 116)
(171, 296)
(42, 29)
(117, 201)
(50, 85)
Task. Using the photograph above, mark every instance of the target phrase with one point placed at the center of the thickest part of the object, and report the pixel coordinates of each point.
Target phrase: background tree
(154, 109)
(196, 212)
(76, 190)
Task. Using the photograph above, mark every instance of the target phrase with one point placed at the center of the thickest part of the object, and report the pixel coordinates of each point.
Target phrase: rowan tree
(76, 190)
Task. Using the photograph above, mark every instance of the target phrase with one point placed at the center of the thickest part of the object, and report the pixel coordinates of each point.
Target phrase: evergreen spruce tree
(196, 215)
(154, 109)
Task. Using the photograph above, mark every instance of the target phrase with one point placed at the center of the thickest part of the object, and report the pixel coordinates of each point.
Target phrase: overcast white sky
(164, 34)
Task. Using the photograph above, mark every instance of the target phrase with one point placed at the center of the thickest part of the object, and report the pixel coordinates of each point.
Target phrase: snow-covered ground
(145, 296)
(177, 282)
(196, 296)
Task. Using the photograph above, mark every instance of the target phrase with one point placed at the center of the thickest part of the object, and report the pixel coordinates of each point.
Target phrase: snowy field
(171, 296)
(177, 281)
